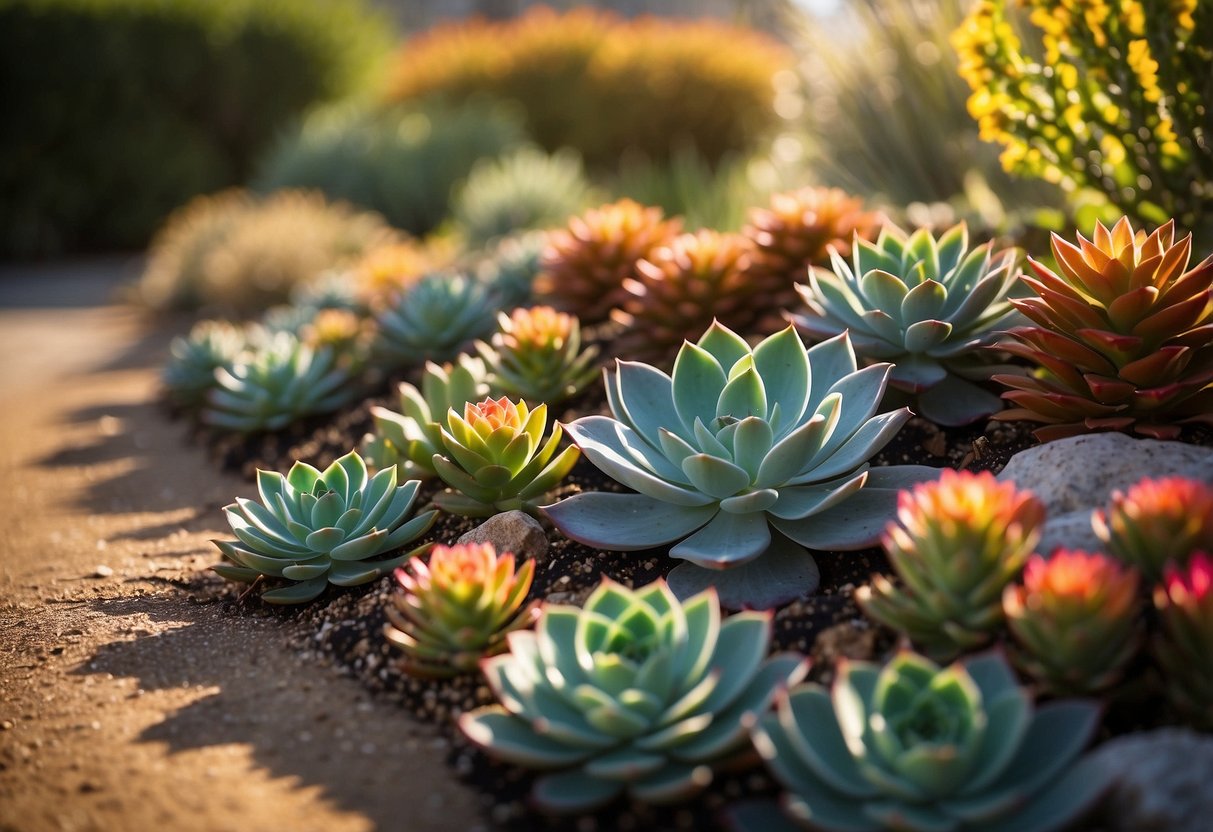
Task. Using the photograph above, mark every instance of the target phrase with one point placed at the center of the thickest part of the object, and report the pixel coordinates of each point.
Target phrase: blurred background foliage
(117, 111)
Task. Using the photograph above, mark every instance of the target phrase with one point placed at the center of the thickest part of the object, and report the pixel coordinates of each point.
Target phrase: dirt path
(126, 704)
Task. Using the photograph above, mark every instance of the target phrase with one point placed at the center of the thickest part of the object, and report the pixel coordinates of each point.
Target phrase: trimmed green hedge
(117, 111)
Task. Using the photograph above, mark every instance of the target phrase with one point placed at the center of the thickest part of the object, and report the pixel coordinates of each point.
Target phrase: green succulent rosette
(313, 528)
(637, 693)
(433, 320)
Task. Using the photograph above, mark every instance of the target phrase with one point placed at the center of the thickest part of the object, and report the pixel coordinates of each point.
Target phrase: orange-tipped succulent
(956, 544)
(1157, 521)
(682, 287)
(1076, 619)
(797, 230)
(536, 354)
(583, 267)
(1123, 337)
(1185, 605)
(458, 609)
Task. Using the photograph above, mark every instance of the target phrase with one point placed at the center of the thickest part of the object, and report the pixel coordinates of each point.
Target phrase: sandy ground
(125, 703)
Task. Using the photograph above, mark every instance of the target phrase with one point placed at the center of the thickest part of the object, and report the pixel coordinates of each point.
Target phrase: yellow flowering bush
(1106, 95)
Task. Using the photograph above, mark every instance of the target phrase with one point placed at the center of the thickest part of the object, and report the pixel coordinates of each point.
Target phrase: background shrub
(402, 163)
(116, 111)
(589, 81)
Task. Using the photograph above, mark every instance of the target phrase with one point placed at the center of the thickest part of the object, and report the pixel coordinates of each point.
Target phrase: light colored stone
(1161, 781)
(1072, 531)
(511, 531)
(1081, 472)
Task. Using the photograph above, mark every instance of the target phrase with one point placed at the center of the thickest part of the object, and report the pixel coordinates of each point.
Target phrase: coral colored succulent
(1185, 605)
(314, 528)
(1124, 337)
(929, 306)
(796, 231)
(680, 288)
(536, 354)
(1157, 521)
(1077, 620)
(497, 459)
(956, 544)
(737, 443)
(433, 320)
(458, 608)
(409, 438)
(584, 265)
(637, 692)
(916, 748)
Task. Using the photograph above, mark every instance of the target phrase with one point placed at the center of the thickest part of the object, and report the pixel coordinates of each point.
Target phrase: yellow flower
(1145, 68)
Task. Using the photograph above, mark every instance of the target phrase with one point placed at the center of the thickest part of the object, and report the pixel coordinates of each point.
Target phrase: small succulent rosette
(536, 354)
(956, 544)
(914, 747)
(1157, 521)
(432, 320)
(458, 608)
(1121, 337)
(1185, 605)
(189, 373)
(496, 458)
(313, 528)
(740, 458)
(1076, 619)
(636, 693)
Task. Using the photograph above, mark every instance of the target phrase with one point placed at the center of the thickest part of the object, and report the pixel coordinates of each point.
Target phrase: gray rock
(511, 531)
(1072, 531)
(1081, 472)
(1161, 781)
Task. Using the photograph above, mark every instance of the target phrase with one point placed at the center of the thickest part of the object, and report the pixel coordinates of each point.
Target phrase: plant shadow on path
(299, 720)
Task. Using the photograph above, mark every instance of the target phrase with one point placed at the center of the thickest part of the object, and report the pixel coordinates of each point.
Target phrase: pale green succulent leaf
(625, 522)
(861, 392)
(270, 485)
(955, 401)
(327, 510)
(606, 444)
(672, 784)
(790, 455)
(784, 572)
(414, 527)
(880, 324)
(811, 730)
(574, 791)
(708, 441)
(1060, 802)
(924, 302)
(714, 476)
(783, 364)
(299, 593)
(624, 765)
(726, 541)
(349, 573)
(1057, 734)
(511, 739)
(923, 335)
(262, 519)
(743, 396)
(698, 381)
(306, 571)
(723, 344)
(302, 477)
(642, 397)
(549, 477)
(751, 502)
(325, 539)
(861, 446)
(796, 502)
(884, 291)
(893, 814)
(241, 574)
(359, 548)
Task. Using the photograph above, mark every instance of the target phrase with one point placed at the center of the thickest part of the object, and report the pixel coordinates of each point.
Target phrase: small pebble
(103, 571)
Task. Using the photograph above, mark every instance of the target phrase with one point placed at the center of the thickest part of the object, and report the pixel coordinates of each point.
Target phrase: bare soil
(129, 698)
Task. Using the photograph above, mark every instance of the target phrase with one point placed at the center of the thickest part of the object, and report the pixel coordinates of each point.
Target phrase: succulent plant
(1157, 521)
(1185, 605)
(314, 528)
(276, 384)
(585, 264)
(637, 692)
(458, 608)
(1077, 620)
(680, 288)
(524, 189)
(433, 320)
(497, 459)
(512, 267)
(409, 439)
(1124, 337)
(388, 270)
(913, 747)
(797, 230)
(536, 354)
(189, 373)
(956, 544)
(929, 306)
(735, 442)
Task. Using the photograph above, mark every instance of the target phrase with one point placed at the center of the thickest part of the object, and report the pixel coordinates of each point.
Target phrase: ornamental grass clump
(275, 384)
(536, 354)
(496, 458)
(637, 692)
(313, 528)
(1076, 619)
(408, 439)
(738, 442)
(1185, 605)
(458, 608)
(680, 288)
(956, 544)
(1156, 522)
(914, 747)
(584, 266)
(1123, 337)
(929, 306)
(433, 320)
